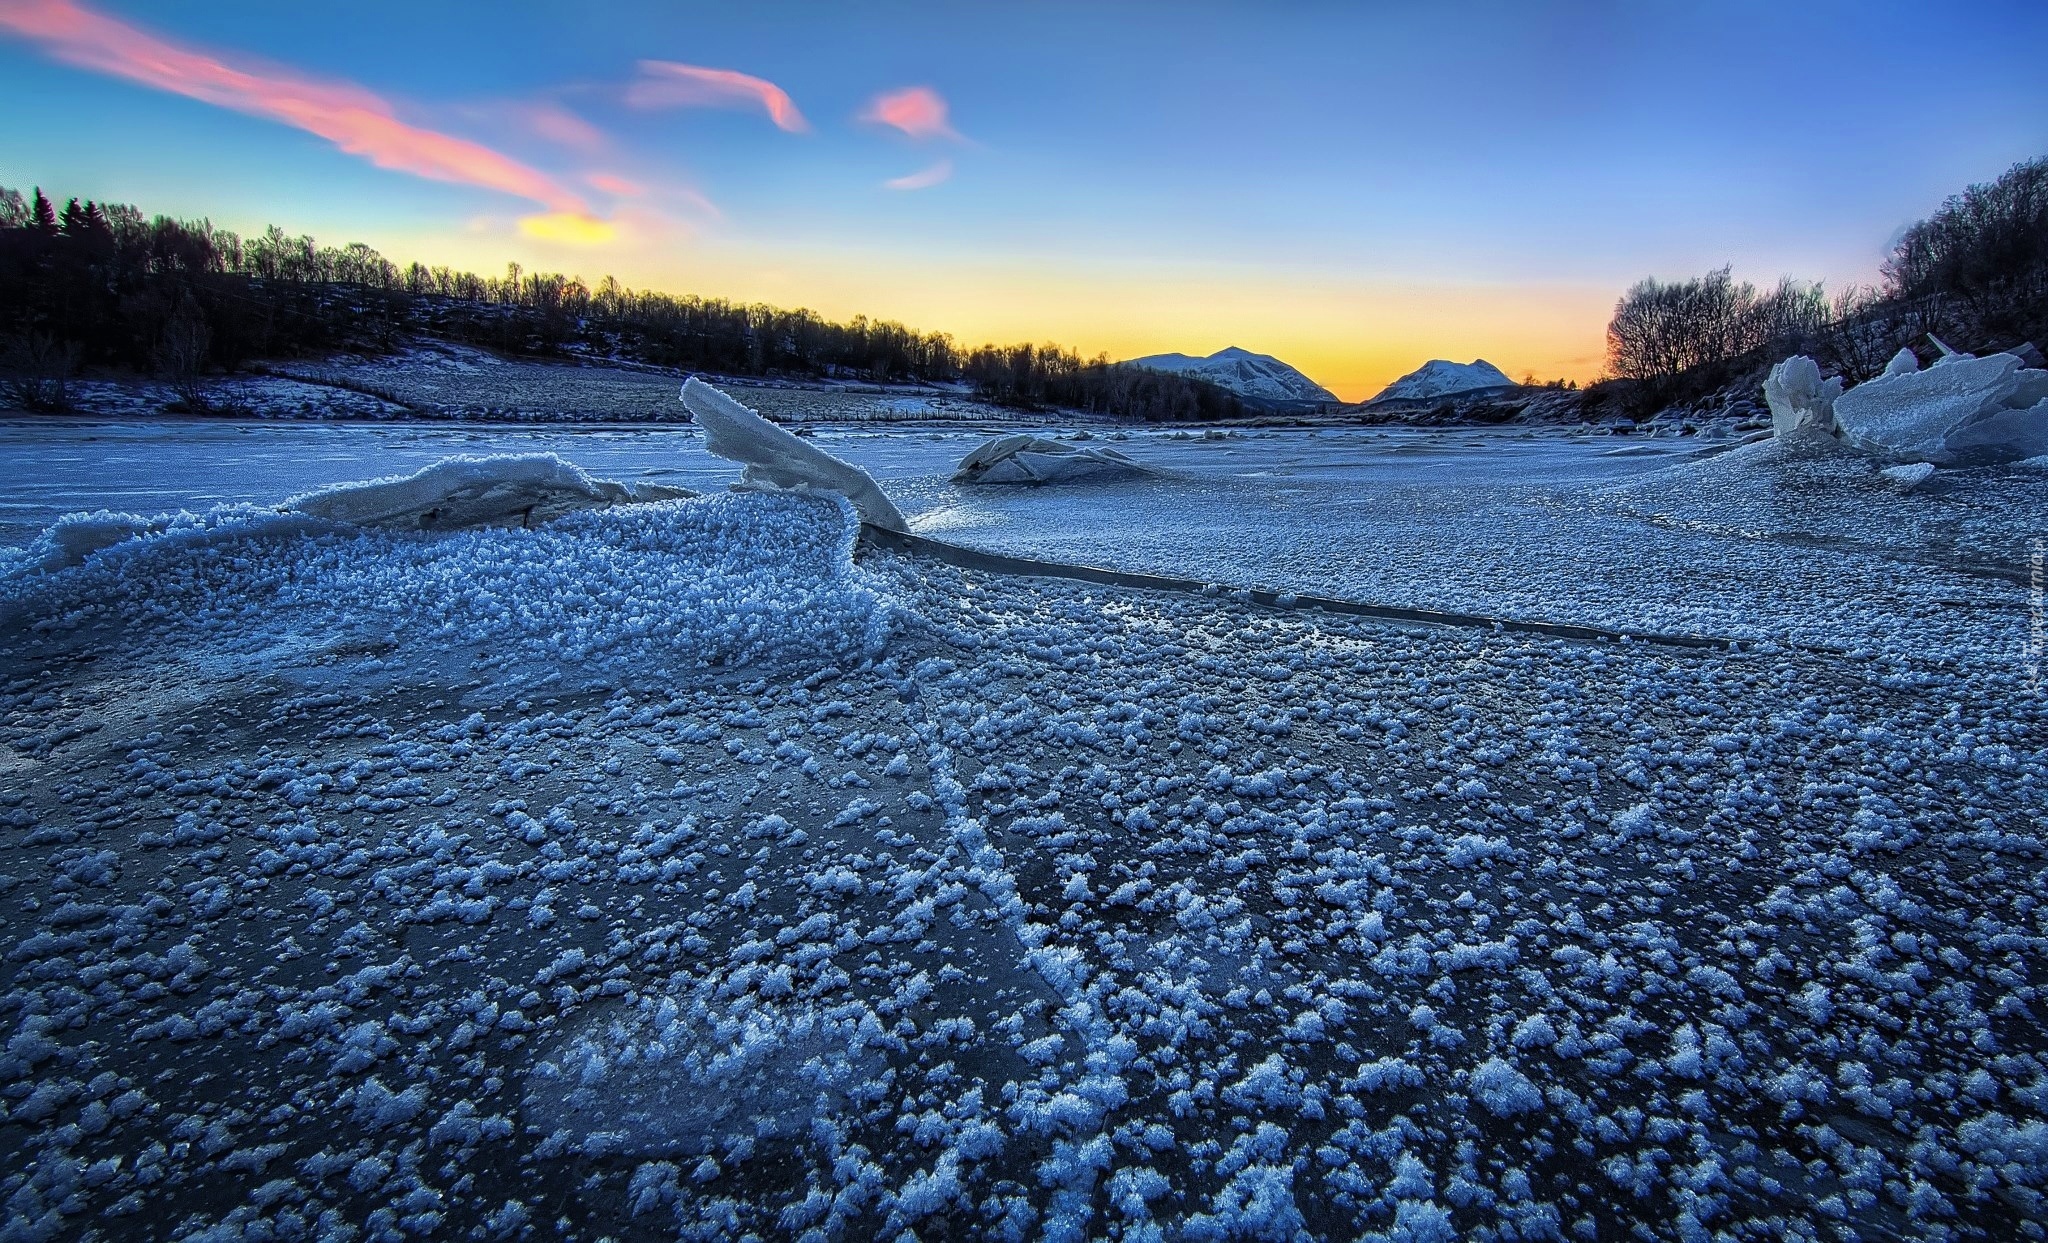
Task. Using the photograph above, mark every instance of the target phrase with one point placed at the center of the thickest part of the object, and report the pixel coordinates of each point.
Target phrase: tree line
(101, 285)
(1974, 273)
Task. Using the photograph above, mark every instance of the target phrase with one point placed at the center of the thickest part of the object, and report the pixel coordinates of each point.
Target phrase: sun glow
(574, 228)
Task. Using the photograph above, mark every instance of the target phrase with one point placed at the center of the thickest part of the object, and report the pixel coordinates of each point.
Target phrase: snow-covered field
(670, 871)
(442, 380)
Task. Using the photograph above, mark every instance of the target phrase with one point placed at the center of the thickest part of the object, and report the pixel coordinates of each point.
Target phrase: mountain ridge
(1440, 377)
(1260, 377)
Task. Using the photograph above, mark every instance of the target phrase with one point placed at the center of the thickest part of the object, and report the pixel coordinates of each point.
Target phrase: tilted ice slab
(1961, 410)
(1024, 458)
(455, 493)
(459, 492)
(775, 458)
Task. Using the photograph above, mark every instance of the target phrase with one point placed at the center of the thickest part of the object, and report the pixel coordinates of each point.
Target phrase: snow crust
(775, 458)
(1024, 458)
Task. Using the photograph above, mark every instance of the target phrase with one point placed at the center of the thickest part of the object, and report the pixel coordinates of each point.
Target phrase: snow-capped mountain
(1439, 377)
(1257, 376)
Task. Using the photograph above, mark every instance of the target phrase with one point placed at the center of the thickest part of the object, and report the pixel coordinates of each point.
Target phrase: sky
(1352, 187)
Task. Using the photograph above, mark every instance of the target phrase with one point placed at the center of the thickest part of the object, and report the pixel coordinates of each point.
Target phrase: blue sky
(1353, 187)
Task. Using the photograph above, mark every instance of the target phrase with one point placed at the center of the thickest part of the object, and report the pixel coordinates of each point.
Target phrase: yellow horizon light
(573, 228)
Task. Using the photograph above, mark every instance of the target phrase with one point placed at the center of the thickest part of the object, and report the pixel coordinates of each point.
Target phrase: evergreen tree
(45, 214)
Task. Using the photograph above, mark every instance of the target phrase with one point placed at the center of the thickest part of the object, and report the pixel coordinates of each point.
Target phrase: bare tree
(1662, 329)
(181, 357)
(35, 372)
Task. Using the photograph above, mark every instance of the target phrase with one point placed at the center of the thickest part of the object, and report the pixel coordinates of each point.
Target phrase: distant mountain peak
(1440, 377)
(1260, 377)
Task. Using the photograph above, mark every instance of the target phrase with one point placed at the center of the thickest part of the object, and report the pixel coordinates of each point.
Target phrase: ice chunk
(775, 458)
(1907, 478)
(1910, 414)
(2005, 436)
(459, 492)
(1024, 458)
(1905, 362)
(2032, 390)
(1800, 401)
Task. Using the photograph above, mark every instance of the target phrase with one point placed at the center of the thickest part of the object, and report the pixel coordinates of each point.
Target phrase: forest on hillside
(1973, 274)
(101, 285)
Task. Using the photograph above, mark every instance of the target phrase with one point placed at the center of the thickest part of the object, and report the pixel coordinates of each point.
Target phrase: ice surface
(1801, 404)
(467, 491)
(777, 458)
(1500, 522)
(1024, 458)
(538, 881)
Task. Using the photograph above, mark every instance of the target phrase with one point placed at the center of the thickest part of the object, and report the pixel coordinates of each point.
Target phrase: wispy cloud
(614, 184)
(669, 84)
(918, 111)
(350, 116)
(922, 179)
(551, 121)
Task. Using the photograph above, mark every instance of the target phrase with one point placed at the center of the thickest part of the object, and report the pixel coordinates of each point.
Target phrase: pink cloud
(560, 126)
(922, 179)
(918, 111)
(613, 184)
(668, 84)
(349, 116)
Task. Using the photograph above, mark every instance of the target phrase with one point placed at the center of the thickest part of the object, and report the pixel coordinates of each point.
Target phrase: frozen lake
(1645, 535)
(664, 871)
(50, 467)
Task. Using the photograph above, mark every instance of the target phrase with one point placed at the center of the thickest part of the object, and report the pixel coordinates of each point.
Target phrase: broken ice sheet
(1028, 459)
(1910, 414)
